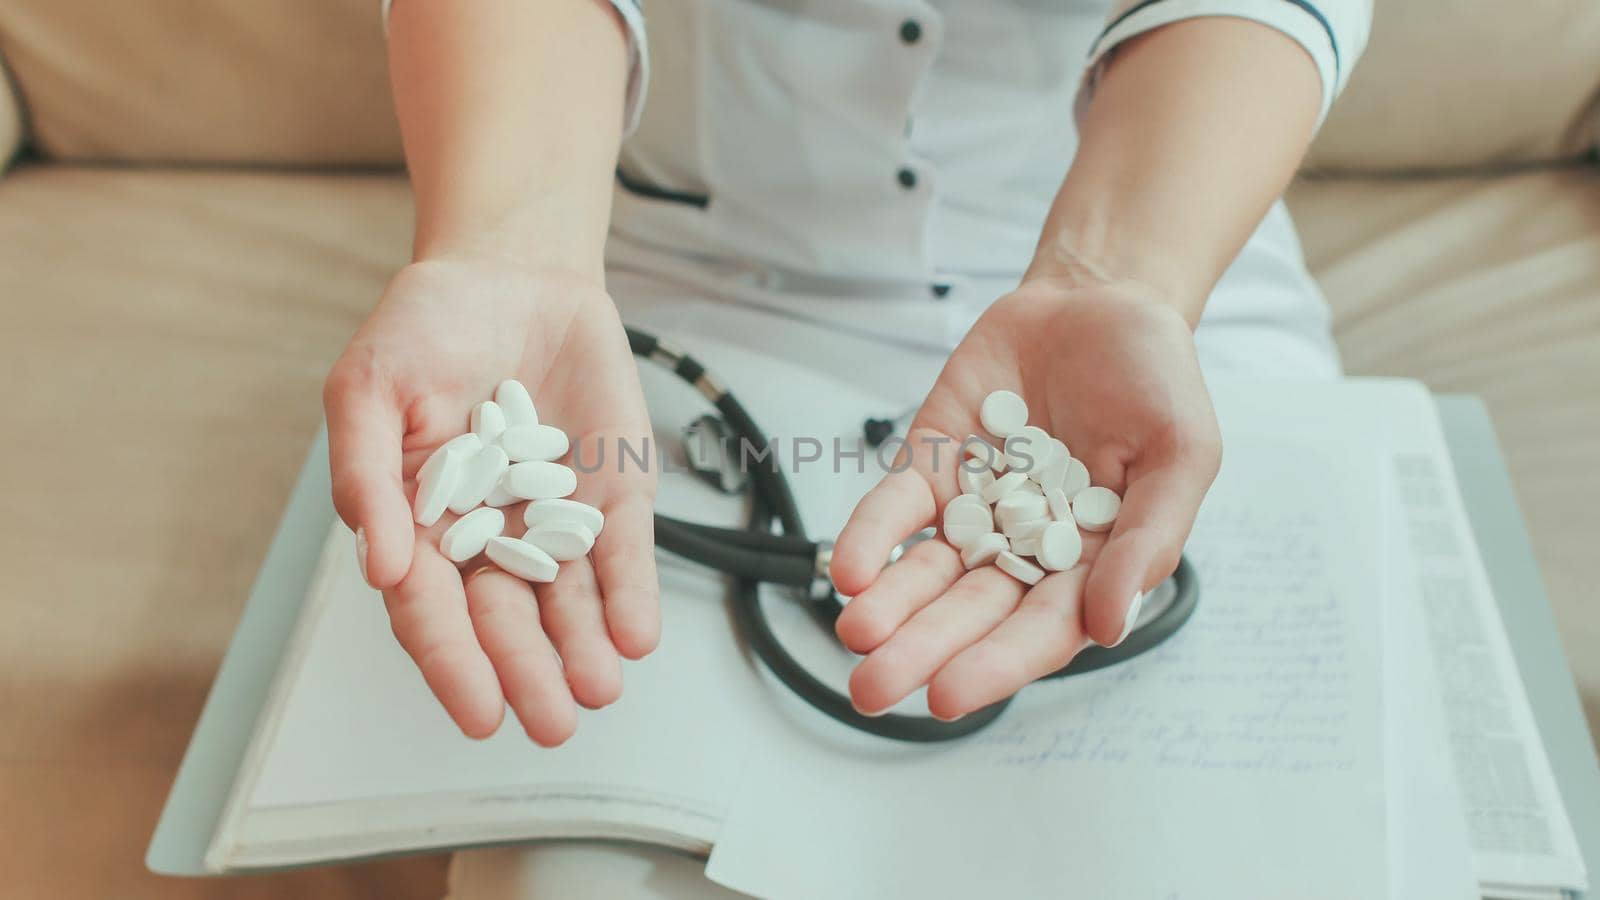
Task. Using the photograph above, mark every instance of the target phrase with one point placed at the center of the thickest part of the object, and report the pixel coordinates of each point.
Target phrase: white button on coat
(516, 403)
(522, 559)
(539, 480)
(469, 534)
(1096, 508)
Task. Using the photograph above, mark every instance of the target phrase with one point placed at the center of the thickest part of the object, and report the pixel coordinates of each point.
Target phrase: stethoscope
(759, 554)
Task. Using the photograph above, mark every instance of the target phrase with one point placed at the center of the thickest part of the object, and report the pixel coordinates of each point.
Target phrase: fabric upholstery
(1444, 84)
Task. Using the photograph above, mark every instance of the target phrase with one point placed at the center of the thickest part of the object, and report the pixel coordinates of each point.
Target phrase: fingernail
(955, 718)
(870, 715)
(1130, 618)
(361, 554)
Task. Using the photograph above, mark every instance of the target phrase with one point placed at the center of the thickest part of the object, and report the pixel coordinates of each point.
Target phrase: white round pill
(1095, 508)
(437, 481)
(542, 443)
(1028, 449)
(522, 559)
(1077, 478)
(1025, 546)
(562, 510)
(537, 480)
(966, 518)
(1003, 414)
(562, 540)
(982, 550)
(1054, 470)
(973, 477)
(1019, 568)
(488, 421)
(975, 447)
(1060, 546)
(469, 534)
(516, 403)
(1031, 528)
(1020, 507)
(1008, 483)
(479, 475)
(1060, 504)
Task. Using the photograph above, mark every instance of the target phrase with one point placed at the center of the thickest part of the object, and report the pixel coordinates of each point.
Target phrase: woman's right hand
(445, 333)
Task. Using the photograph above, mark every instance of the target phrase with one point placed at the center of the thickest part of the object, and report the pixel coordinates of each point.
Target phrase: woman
(1094, 235)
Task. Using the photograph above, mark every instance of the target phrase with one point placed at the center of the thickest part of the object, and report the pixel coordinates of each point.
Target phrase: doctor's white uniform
(872, 174)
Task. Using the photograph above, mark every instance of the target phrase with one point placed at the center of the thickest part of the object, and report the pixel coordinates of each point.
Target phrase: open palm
(443, 336)
(1114, 375)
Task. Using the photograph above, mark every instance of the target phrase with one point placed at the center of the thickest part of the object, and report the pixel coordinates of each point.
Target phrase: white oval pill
(469, 534)
(543, 443)
(522, 559)
(516, 403)
(488, 421)
(1003, 414)
(1019, 568)
(982, 550)
(1008, 483)
(539, 480)
(562, 540)
(972, 478)
(975, 447)
(1020, 507)
(479, 475)
(966, 518)
(462, 445)
(1029, 450)
(1059, 547)
(560, 510)
(499, 496)
(1077, 478)
(1095, 508)
(436, 484)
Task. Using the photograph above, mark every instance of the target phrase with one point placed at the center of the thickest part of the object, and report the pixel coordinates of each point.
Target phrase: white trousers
(1265, 319)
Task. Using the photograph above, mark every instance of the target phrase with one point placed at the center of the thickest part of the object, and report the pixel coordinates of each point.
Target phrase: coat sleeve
(1333, 32)
(638, 58)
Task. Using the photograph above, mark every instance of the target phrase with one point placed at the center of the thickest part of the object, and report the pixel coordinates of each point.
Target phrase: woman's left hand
(1110, 369)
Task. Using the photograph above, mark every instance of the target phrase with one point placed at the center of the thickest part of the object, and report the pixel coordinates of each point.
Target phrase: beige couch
(208, 203)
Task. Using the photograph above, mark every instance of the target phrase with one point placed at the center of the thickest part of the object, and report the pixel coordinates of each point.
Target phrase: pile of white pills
(507, 457)
(1020, 507)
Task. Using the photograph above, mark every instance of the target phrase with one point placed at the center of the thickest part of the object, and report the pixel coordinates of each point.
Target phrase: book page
(1254, 735)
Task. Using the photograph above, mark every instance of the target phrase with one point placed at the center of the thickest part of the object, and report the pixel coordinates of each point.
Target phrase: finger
(570, 609)
(1039, 637)
(624, 559)
(906, 500)
(364, 434)
(428, 612)
(1144, 547)
(925, 572)
(967, 612)
(506, 619)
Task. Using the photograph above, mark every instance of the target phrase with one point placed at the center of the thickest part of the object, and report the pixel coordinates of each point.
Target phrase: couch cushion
(164, 340)
(1487, 286)
(1444, 83)
(1461, 83)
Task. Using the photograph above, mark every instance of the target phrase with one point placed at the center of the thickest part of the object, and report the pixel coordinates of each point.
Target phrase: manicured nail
(1130, 618)
(361, 554)
(870, 715)
(955, 718)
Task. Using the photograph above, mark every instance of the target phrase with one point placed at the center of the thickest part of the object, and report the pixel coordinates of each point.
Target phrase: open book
(1335, 506)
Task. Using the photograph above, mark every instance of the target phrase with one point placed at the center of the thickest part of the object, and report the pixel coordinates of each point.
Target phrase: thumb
(364, 458)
